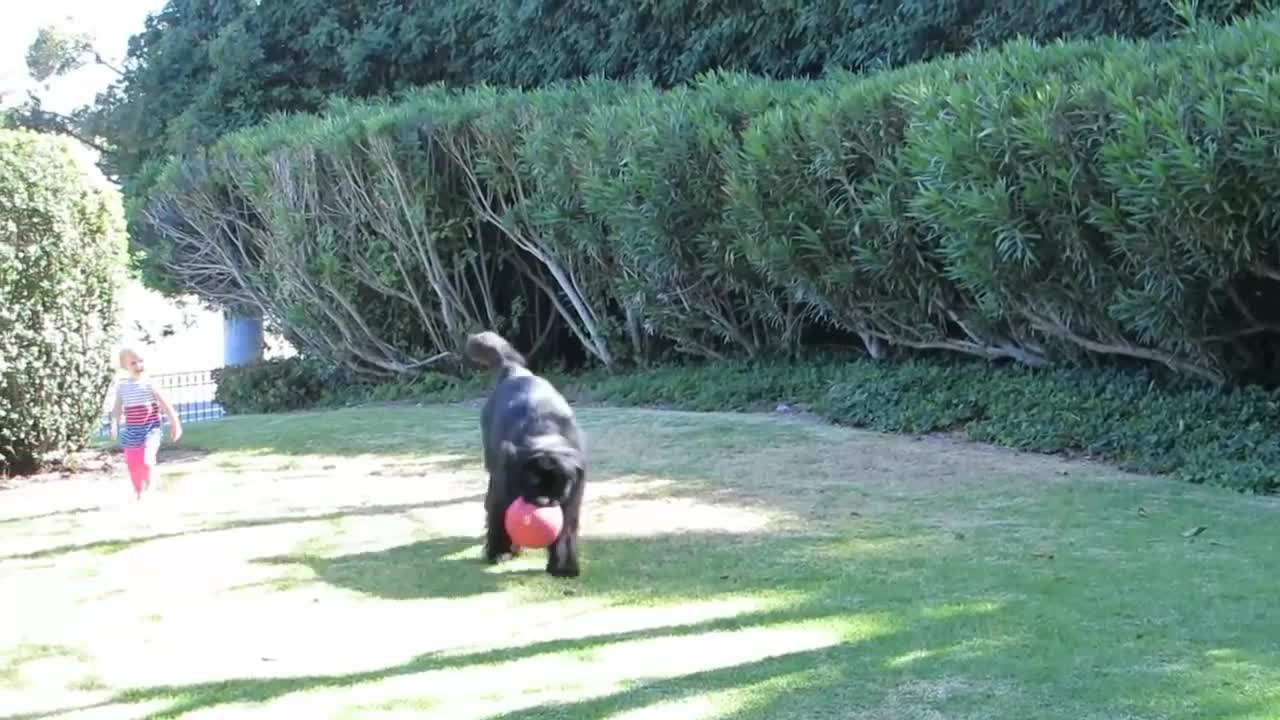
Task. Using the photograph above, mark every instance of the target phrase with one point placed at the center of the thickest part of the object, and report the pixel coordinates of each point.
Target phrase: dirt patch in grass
(828, 477)
(938, 699)
(84, 464)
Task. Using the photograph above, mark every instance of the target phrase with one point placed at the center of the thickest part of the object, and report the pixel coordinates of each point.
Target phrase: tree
(203, 67)
(32, 115)
(57, 51)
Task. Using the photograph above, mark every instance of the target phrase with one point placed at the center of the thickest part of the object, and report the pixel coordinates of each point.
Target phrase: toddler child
(139, 402)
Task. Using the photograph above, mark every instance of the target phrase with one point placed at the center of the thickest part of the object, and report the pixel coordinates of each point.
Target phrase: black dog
(533, 449)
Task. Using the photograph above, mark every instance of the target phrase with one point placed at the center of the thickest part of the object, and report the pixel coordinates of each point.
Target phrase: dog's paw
(493, 558)
(568, 570)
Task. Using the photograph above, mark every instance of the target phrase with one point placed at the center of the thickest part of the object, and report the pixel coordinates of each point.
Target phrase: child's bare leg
(153, 449)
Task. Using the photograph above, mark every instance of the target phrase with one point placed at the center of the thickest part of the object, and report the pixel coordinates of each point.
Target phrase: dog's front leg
(497, 544)
(562, 556)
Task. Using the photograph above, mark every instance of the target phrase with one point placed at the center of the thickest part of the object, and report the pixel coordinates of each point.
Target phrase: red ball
(531, 526)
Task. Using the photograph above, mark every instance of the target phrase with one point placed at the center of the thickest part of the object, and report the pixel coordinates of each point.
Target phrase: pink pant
(139, 461)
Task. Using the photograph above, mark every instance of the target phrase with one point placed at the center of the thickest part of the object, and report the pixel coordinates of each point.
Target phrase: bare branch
(1051, 326)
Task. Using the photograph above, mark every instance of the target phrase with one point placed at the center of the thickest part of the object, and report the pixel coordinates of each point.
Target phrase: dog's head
(546, 471)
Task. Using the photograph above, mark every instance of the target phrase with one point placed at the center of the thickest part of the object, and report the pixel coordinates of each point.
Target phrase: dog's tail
(493, 351)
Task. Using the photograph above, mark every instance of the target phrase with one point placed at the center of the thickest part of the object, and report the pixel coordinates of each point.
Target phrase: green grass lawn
(734, 566)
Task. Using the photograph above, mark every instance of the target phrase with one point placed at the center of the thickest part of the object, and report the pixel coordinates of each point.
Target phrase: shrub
(1127, 418)
(275, 385)
(370, 237)
(297, 383)
(650, 177)
(1080, 202)
(1035, 204)
(62, 256)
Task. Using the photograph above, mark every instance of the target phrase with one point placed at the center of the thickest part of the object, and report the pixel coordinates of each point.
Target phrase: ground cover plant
(1137, 421)
(745, 566)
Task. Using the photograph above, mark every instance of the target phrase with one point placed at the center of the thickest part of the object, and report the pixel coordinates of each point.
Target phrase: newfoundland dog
(533, 449)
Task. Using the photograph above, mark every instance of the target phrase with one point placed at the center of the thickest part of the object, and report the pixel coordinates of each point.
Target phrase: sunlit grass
(734, 566)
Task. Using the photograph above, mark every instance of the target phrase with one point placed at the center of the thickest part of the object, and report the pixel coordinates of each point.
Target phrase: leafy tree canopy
(202, 67)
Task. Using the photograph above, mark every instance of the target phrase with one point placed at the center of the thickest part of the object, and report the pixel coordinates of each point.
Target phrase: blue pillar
(241, 337)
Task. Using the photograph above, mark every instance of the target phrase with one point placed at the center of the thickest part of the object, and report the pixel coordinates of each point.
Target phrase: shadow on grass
(832, 682)
(915, 631)
(186, 699)
(73, 512)
(447, 463)
(977, 625)
(438, 568)
(638, 572)
(13, 659)
(618, 568)
(113, 545)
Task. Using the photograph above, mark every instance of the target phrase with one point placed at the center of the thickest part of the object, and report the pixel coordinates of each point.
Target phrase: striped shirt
(141, 412)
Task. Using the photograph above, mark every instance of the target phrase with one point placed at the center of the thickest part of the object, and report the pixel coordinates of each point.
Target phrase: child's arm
(175, 424)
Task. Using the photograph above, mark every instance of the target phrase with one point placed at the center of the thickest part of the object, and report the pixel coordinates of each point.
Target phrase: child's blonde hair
(123, 357)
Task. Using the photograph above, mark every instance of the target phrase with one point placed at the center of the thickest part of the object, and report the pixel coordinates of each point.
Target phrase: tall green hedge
(200, 69)
(61, 257)
(1041, 204)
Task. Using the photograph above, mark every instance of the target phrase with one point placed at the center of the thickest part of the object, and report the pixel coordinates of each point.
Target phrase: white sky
(111, 22)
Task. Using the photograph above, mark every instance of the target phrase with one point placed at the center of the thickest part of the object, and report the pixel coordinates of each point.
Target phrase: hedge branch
(483, 200)
(1057, 328)
(351, 195)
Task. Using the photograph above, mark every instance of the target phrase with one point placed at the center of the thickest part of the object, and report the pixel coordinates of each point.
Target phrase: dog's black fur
(533, 449)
